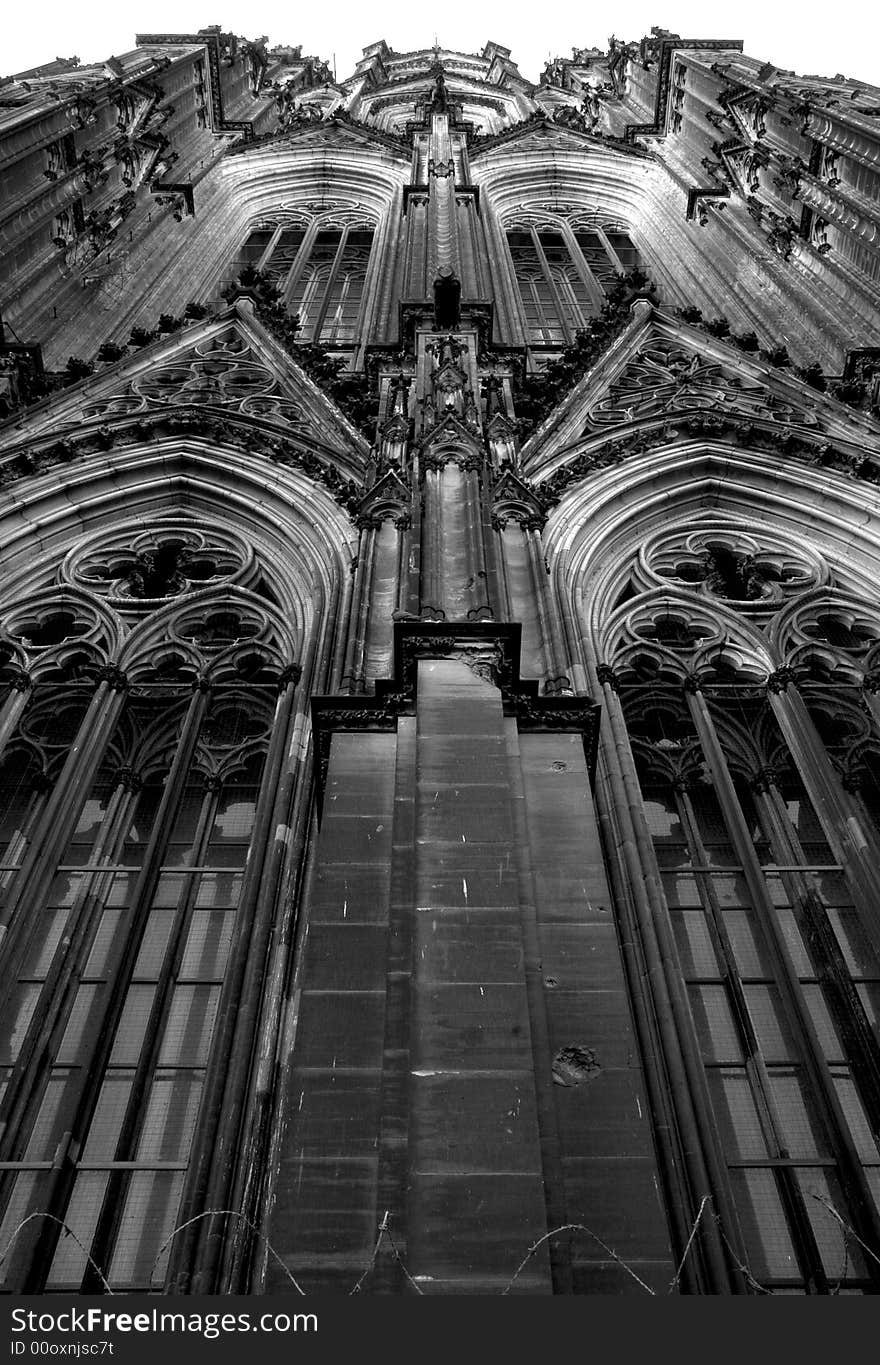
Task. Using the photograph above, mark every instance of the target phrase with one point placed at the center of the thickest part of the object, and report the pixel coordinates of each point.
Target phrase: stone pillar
(463, 1070)
(476, 1195)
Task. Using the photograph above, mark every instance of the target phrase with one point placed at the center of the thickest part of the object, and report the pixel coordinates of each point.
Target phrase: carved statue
(294, 114)
(554, 72)
(494, 393)
(439, 102)
(781, 234)
(399, 387)
(819, 236)
(790, 170)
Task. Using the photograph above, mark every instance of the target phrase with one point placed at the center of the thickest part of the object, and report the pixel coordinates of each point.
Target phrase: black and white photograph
(439, 662)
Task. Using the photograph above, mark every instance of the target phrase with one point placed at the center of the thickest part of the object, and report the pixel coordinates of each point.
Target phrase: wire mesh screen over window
(781, 979)
(113, 977)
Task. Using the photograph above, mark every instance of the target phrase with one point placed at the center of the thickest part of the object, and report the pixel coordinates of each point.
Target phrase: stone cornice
(491, 649)
(479, 146)
(31, 459)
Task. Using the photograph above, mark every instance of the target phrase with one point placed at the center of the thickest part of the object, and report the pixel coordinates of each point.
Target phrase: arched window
(136, 795)
(562, 268)
(320, 267)
(764, 862)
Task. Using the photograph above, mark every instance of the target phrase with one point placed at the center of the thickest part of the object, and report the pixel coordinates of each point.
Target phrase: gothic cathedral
(439, 673)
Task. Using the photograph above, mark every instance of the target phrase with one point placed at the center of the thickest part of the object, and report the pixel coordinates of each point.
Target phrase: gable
(228, 367)
(664, 376)
(540, 134)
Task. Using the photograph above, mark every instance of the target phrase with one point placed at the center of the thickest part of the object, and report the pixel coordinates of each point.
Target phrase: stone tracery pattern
(746, 688)
(223, 372)
(134, 567)
(747, 567)
(156, 659)
(665, 379)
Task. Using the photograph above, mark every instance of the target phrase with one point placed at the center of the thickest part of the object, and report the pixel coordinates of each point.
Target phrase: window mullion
(14, 704)
(35, 1251)
(299, 265)
(108, 1225)
(825, 953)
(609, 250)
(273, 242)
(213, 1180)
(324, 304)
(21, 1100)
(24, 835)
(756, 1069)
(594, 289)
(852, 841)
(851, 1168)
(57, 818)
(551, 285)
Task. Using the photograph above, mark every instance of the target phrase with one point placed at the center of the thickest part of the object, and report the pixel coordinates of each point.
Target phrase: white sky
(808, 36)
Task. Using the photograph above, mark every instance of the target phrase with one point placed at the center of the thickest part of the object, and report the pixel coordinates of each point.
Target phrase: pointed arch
(693, 601)
(162, 761)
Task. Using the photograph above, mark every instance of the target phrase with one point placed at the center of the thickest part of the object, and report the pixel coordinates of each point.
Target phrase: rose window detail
(743, 567)
(168, 560)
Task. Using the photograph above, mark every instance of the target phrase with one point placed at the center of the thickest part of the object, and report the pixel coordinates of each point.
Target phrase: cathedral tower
(440, 657)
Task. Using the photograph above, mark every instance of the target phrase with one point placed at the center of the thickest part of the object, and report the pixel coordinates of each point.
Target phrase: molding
(492, 649)
(211, 44)
(668, 46)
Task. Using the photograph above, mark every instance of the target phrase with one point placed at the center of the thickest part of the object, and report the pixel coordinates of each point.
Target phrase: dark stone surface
(609, 1169)
(475, 1224)
(356, 838)
(346, 957)
(619, 1201)
(460, 941)
(341, 1028)
(469, 945)
(467, 1027)
(443, 759)
(355, 893)
(452, 1114)
(336, 1112)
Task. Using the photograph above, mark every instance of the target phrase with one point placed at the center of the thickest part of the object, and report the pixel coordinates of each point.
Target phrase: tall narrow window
(541, 314)
(561, 275)
(143, 954)
(328, 294)
(129, 792)
(784, 1115)
(320, 272)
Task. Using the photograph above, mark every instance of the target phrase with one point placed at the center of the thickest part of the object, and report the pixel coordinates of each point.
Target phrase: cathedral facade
(440, 662)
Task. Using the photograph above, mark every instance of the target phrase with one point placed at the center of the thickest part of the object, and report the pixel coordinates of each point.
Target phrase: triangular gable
(543, 133)
(336, 130)
(662, 372)
(228, 367)
(450, 433)
(389, 495)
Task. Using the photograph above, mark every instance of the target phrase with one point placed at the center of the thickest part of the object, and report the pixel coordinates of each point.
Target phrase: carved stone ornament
(220, 372)
(665, 379)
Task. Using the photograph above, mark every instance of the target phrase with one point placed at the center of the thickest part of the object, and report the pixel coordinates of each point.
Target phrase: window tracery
(218, 372)
(130, 566)
(751, 570)
(318, 257)
(133, 767)
(741, 683)
(563, 261)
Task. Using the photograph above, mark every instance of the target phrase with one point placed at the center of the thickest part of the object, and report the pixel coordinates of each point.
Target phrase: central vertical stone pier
(476, 1187)
(461, 1066)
